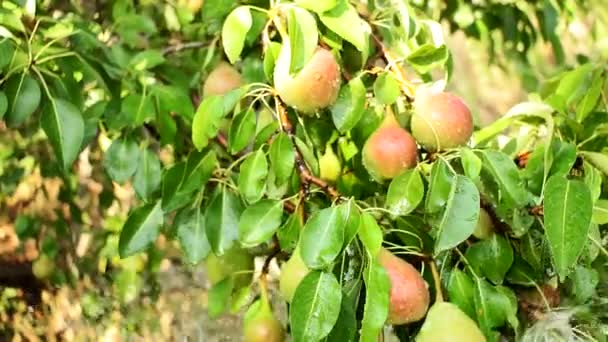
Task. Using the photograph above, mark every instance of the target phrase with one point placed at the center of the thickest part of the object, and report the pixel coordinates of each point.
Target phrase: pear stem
(437, 281)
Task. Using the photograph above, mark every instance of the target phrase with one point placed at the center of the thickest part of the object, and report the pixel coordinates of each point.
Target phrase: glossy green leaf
(219, 297)
(460, 215)
(316, 5)
(182, 181)
(315, 307)
(521, 273)
(352, 220)
(597, 159)
(568, 211)
(147, 59)
(584, 281)
(427, 57)
(491, 258)
(259, 222)
(241, 131)
(148, 174)
(222, 221)
(471, 163)
(491, 306)
(3, 104)
(377, 291)
(234, 32)
(207, 120)
(600, 212)
(345, 328)
(64, 126)
(23, 93)
(370, 234)
(252, 178)
(270, 58)
(461, 290)
(439, 187)
(349, 106)
(121, 159)
(173, 99)
(190, 225)
(386, 88)
(138, 109)
(282, 157)
(344, 20)
(405, 193)
(591, 97)
(141, 229)
(303, 37)
(322, 238)
(289, 233)
(505, 174)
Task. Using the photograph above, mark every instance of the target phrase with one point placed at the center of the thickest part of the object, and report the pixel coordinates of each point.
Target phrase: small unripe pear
(195, 5)
(43, 267)
(329, 165)
(441, 120)
(234, 260)
(316, 86)
(389, 151)
(409, 295)
(446, 322)
(260, 324)
(484, 228)
(292, 273)
(221, 80)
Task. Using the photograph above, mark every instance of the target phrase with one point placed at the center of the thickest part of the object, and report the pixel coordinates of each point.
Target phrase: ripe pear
(441, 120)
(260, 324)
(292, 273)
(329, 165)
(314, 87)
(445, 322)
(409, 295)
(389, 150)
(221, 80)
(43, 267)
(234, 260)
(484, 228)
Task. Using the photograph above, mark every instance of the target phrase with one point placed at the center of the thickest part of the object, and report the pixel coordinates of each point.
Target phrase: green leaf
(147, 59)
(386, 88)
(405, 193)
(352, 220)
(241, 131)
(3, 104)
(377, 291)
(282, 157)
(121, 159)
(190, 225)
(349, 106)
(439, 187)
(427, 57)
(600, 212)
(303, 37)
(315, 307)
(568, 210)
(252, 178)
(259, 222)
(316, 5)
(207, 120)
(322, 238)
(234, 32)
(370, 234)
(64, 126)
(270, 58)
(289, 233)
(460, 215)
(219, 297)
(471, 163)
(461, 291)
(183, 180)
(597, 159)
(584, 280)
(222, 221)
(491, 258)
(172, 99)
(147, 176)
(505, 173)
(344, 20)
(521, 273)
(141, 229)
(589, 101)
(23, 93)
(345, 328)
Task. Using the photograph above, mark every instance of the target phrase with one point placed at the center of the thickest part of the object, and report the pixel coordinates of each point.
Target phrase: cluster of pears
(441, 121)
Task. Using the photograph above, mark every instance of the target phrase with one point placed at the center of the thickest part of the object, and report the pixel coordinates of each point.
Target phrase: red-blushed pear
(441, 120)
(445, 322)
(292, 273)
(260, 324)
(409, 294)
(389, 150)
(221, 80)
(314, 87)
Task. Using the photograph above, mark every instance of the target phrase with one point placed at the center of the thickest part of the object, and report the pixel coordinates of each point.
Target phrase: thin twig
(275, 251)
(183, 46)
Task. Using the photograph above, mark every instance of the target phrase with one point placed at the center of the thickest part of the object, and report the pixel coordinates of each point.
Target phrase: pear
(234, 260)
(409, 295)
(260, 324)
(221, 80)
(484, 228)
(292, 273)
(441, 120)
(329, 165)
(43, 267)
(389, 150)
(445, 322)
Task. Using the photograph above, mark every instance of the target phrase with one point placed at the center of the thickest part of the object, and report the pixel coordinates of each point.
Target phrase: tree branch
(183, 46)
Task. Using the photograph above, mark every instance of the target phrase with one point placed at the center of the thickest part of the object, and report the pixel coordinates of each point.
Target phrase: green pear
(221, 80)
(292, 273)
(43, 267)
(445, 322)
(329, 165)
(260, 324)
